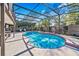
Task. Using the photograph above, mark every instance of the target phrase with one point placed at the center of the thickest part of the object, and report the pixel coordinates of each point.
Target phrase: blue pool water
(40, 40)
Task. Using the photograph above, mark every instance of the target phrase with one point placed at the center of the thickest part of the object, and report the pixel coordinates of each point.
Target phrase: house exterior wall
(73, 29)
(9, 19)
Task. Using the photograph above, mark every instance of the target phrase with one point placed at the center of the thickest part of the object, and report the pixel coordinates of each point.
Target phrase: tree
(73, 16)
(26, 25)
(43, 25)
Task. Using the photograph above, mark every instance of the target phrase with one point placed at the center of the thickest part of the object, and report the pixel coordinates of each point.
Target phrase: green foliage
(73, 16)
(25, 24)
(43, 25)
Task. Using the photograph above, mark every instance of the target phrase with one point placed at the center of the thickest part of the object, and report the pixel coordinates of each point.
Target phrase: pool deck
(16, 47)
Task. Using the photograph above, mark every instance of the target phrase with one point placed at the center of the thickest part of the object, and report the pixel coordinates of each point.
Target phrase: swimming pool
(41, 40)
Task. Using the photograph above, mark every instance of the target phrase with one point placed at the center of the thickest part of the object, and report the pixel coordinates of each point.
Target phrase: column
(2, 30)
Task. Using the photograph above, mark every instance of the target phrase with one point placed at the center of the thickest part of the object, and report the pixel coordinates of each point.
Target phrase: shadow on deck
(28, 49)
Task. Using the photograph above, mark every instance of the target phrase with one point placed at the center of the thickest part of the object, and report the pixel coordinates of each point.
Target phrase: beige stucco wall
(73, 29)
(8, 19)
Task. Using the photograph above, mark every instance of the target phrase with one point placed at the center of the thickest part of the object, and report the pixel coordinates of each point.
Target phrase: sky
(38, 8)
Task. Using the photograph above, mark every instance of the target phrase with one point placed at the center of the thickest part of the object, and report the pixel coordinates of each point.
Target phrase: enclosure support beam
(2, 30)
(30, 10)
(14, 27)
(59, 23)
(28, 15)
(26, 19)
(51, 9)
